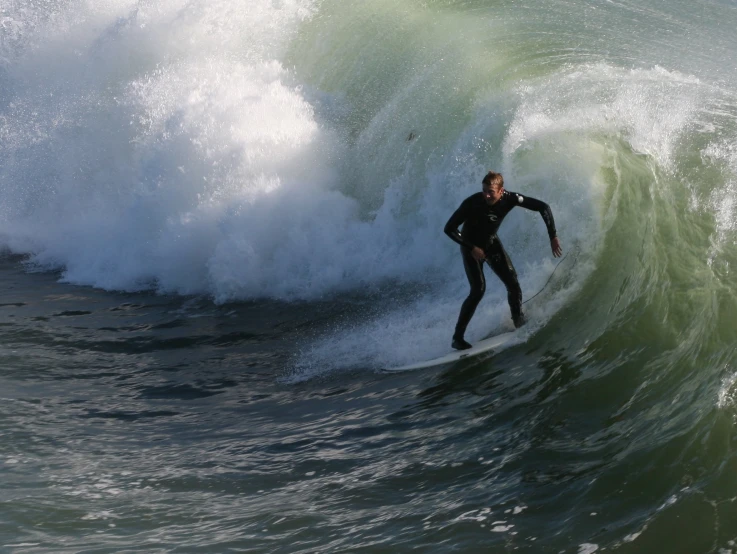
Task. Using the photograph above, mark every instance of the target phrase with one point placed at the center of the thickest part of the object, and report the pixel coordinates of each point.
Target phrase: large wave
(279, 150)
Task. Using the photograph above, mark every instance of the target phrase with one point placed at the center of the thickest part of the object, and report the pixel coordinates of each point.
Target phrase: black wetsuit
(480, 224)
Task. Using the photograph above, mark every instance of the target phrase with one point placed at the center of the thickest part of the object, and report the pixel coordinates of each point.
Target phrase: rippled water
(157, 423)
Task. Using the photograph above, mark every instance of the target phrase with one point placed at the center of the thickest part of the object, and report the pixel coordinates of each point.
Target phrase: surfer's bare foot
(460, 344)
(519, 321)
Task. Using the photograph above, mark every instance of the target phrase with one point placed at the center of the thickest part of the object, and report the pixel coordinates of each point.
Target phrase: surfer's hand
(555, 246)
(477, 254)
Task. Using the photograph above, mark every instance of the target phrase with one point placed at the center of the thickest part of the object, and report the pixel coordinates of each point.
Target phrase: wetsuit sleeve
(539, 206)
(455, 221)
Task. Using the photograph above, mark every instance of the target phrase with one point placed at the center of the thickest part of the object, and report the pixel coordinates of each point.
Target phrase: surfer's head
(492, 186)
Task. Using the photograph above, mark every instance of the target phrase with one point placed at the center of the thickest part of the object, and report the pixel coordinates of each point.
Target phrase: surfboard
(480, 347)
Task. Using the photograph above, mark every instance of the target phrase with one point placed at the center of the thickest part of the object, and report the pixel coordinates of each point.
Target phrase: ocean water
(220, 220)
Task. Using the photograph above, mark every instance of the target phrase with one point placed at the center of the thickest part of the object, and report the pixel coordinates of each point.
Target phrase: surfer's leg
(500, 263)
(475, 274)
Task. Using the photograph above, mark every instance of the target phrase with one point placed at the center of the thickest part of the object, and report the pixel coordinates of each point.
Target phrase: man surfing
(481, 214)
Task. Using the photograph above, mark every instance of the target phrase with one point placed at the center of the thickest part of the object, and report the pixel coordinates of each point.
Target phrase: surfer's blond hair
(493, 178)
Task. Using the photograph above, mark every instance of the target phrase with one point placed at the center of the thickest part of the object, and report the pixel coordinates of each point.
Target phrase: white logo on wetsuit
(520, 199)
(492, 217)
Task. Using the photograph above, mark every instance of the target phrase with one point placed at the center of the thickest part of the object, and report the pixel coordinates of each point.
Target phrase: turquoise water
(219, 222)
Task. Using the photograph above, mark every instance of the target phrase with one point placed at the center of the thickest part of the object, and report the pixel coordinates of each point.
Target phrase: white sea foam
(722, 201)
(726, 394)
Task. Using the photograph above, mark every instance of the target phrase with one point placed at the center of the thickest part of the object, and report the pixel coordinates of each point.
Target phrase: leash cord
(549, 278)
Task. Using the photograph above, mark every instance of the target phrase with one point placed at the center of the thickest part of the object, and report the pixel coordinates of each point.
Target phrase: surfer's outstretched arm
(547, 214)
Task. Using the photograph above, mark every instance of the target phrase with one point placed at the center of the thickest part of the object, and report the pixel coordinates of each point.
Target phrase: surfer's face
(493, 193)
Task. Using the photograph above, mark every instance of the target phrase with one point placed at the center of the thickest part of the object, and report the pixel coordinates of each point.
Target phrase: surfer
(481, 215)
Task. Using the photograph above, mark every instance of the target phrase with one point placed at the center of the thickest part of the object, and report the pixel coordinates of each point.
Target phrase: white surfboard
(480, 347)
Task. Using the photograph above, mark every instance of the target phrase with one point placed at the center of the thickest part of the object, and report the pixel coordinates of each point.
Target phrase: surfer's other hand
(555, 246)
(477, 254)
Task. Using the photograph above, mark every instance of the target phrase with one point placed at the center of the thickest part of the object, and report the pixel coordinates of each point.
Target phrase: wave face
(299, 150)
(262, 151)
(305, 150)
